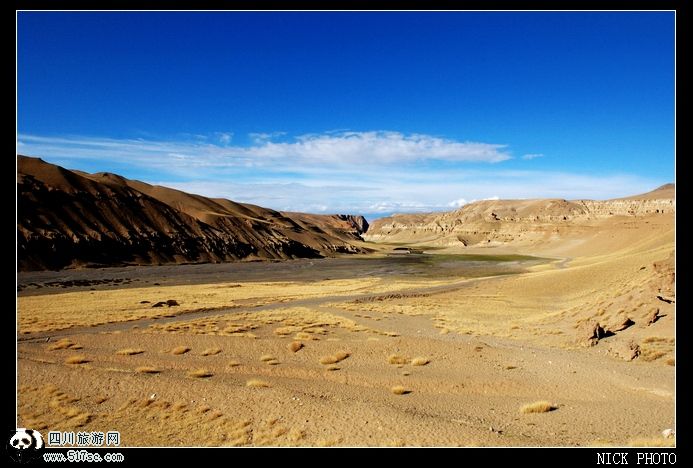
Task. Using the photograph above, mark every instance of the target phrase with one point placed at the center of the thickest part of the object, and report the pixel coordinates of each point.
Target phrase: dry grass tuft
(397, 359)
(328, 360)
(267, 358)
(234, 363)
(305, 336)
(671, 362)
(328, 442)
(180, 350)
(420, 361)
(147, 370)
(129, 351)
(648, 354)
(653, 442)
(257, 383)
(538, 407)
(332, 367)
(64, 343)
(76, 359)
(399, 390)
(295, 346)
(200, 374)
(335, 358)
(211, 351)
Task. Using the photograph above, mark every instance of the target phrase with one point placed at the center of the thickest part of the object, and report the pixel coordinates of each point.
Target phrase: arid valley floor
(436, 349)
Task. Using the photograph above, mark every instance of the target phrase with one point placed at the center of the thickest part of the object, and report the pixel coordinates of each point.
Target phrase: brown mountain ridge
(71, 218)
(525, 223)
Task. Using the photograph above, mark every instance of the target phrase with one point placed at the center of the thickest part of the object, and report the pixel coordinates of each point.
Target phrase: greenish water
(399, 266)
(486, 258)
(435, 266)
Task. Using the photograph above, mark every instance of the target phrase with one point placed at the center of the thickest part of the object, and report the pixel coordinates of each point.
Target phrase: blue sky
(365, 113)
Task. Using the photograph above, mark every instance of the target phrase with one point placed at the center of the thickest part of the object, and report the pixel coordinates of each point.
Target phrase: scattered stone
(144, 302)
(626, 350)
(159, 304)
(591, 333)
(652, 317)
(621, 325)
(172, 303)
(668, 433)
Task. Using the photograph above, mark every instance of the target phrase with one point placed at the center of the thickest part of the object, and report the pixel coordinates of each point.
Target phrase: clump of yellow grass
(295, 346)
(653, 442)
(180, 350)
(420, 361)
(129, 351)
(64, 343)
(211, 351)
(397, 359)
(147, 370)
(76, 359)
(538, 407)
(256, 383)
(200, 374)
(335, 358)
(400, 390)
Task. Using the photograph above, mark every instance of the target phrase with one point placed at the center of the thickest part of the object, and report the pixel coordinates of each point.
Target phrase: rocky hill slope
(70, 218)
(513, 221)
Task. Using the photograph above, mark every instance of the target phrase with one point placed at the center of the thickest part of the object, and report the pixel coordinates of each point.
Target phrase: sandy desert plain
(490, 344)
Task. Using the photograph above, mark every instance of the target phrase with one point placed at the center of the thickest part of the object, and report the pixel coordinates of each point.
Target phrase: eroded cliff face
(505, 221)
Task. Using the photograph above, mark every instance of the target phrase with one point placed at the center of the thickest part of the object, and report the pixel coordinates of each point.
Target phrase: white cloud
(460, 202)
(224, 137)
(531, 156)
(372, 148)
(264, 137)
(379, 147)
(339, 172)
(457, 203)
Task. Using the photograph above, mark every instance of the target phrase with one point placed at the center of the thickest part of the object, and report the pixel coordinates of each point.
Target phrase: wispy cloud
(531, 156)
(380, 147)
(264, 137)
(372, 173)
(224, 137)
(341, 148)
(460, 202)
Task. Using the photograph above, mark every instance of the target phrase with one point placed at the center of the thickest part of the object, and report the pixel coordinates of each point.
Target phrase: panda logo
(25, 444)
(26, 439)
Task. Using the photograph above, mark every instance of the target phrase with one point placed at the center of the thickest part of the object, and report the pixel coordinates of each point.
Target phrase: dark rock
(159, 304)
(590, 333)
(172, 303)
(626, 350)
